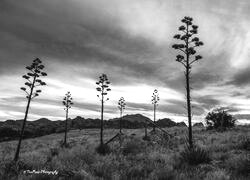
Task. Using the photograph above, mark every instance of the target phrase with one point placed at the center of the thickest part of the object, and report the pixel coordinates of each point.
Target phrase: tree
(35, 71)
(103, 88)
(187, 57)
(67, 102)
(121, 107)
(155, 100)
(219, 118)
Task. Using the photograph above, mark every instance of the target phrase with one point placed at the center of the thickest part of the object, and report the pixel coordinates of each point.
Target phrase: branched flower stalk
(121, 107)
(187, 57)
(103, 88)
(155, 100)
(33, 81)
(67, 103)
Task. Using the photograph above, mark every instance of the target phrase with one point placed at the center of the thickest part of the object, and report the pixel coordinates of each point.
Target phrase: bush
(12, 169)
(219, 119)
(146, 138)
(103, 149)
(217, 175)
(245, 144)
(240, 166)
(194, 156)
(133, 147)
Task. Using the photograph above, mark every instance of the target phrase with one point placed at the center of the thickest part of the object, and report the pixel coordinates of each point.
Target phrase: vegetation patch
(195, 156)
(103, 149)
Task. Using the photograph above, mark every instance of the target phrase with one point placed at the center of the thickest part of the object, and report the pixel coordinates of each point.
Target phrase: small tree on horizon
(103, 88)
(189, 42)
(219, 119)
(35, 70)
(67, 102)
(121, 107)
(155, 100)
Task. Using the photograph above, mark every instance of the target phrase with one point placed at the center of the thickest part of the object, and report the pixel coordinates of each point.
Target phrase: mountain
(82, 123)
(198, 125)
(166, 122)
(42, 121)
(131, 121)
(133, 118)
(136, 118)
(181, 124)
(10, 129)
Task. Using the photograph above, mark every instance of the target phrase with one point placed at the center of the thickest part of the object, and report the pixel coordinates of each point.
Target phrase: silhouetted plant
(35, 71)
(103, 149)
(220, 119)
(155, 100)
(121, 107)
(187, 58)
(194, 155)
(103, 88)
(67, 102)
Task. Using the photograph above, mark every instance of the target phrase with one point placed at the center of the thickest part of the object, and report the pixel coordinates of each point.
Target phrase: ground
(134, 158)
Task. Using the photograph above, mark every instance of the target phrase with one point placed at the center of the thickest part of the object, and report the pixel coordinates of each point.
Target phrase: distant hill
(198, 124)
(9, 130)
(181, 124)
(131, 121)
(166, 122)
(138, 118)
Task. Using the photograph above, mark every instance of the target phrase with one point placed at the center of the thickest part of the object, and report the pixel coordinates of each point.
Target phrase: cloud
(241, 78)
(131, 42)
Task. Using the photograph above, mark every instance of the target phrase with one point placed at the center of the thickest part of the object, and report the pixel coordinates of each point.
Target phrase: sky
(130, 41)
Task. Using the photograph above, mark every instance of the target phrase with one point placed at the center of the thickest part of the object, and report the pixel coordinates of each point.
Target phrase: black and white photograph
(125, 90)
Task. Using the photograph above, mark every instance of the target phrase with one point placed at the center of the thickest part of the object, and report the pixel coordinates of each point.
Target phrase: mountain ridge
(10, 129)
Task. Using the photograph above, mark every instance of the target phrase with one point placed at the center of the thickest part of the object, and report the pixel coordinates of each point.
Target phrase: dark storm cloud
(98, 45)
(207, 101)
(81, 38)
(241, 78)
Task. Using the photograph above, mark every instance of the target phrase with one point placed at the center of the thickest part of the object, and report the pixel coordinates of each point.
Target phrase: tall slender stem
(154, 116)
(102, 116)
(120, 121)
(24, 120)
(188, 90)
(66, 125)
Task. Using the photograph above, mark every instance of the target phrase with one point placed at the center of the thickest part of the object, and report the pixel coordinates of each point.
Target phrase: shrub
(133, 147)
(240, 165)
(105, 167)
(54, 152)
(12, 169)
(194, 156)
(103, 149)
(146, 138)
(219, 119)
(217, 175)
(245, 144)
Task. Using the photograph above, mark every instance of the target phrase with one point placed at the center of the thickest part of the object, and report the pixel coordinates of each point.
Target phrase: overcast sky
(130, 41)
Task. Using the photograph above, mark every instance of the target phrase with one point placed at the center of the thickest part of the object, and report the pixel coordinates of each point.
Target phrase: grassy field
(227, 156)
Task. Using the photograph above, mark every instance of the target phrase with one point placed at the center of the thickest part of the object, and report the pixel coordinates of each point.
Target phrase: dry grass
(133, 159)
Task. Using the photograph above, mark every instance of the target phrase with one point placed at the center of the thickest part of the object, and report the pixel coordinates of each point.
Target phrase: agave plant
(187, 57)
(121, 107)
(67, 103)
(102, 89)
(155, 100)
(33, 81)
